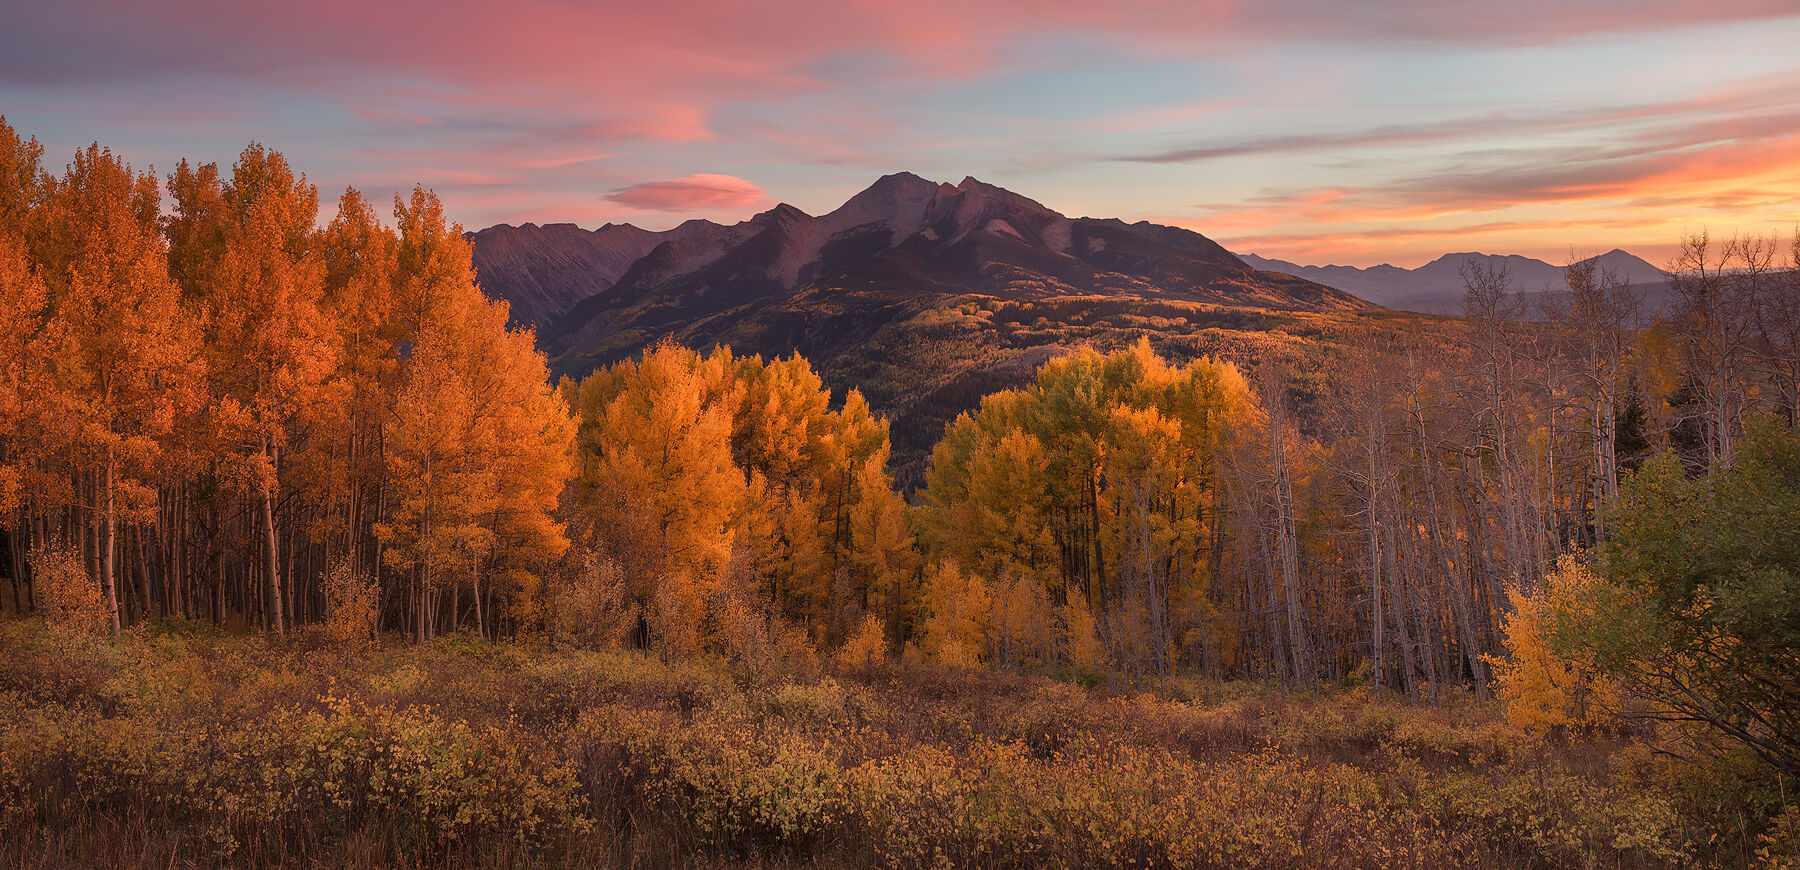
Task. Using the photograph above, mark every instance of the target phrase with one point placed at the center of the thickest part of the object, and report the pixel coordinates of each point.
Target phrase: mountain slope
(905, 235)
(545, 270)
(923, 295)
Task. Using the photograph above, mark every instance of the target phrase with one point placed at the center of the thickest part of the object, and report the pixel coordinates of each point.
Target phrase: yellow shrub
(69, 599)
(867, 647)
(1543, 691)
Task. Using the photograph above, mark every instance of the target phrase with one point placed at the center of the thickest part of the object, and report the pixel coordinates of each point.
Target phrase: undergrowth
(181, 746)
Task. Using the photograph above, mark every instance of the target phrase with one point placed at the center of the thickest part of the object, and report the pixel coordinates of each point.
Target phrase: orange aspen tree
(248, 249)
(123, 364)
(476, 443)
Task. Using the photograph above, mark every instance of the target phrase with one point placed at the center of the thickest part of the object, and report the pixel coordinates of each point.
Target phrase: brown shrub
(352, 605)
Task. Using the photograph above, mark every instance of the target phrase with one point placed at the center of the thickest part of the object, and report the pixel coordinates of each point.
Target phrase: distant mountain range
(1437, 286)
(903, 234)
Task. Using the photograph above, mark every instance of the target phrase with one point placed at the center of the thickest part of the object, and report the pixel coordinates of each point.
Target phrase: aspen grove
(218, 405)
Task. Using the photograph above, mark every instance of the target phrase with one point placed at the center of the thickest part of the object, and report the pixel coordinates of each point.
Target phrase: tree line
(208, 409)
(226, 411)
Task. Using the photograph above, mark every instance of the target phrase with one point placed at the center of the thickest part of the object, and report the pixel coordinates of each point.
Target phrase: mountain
(543, 270)
(1437, 286)
(923, 295)
(903, 235)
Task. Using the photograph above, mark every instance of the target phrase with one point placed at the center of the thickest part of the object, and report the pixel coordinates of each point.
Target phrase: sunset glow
(1312, 131)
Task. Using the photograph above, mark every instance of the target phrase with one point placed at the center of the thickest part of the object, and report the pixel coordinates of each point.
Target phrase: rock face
(904, 234)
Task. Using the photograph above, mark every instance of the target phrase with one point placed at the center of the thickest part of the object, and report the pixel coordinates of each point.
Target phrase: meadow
(183, 745)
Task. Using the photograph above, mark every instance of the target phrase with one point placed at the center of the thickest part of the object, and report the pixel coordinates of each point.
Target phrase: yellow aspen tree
(1100, 481)
(359, 258)
(662, 482)
(271, 347)
(476, 443)
(22, 319)
(431, 528)
(957, 605)
(883, 553)
(532, 462)
(247, 249)
(1153, 543)
(436, 463)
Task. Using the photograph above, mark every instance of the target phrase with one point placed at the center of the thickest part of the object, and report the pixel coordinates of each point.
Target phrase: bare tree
(1713, 329)
(1595, 324)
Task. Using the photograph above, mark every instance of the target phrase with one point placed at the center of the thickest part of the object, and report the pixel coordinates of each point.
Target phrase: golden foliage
(67, 595)
(866, 648)
(958, 606)
(1097, 482)
(1545, 691)
(698, 466)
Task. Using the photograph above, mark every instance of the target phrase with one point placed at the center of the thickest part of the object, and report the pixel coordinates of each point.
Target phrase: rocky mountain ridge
(902, 234)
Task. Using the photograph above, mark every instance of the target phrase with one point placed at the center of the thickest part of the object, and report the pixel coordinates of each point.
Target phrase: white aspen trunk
(272, 594)
(108, 549)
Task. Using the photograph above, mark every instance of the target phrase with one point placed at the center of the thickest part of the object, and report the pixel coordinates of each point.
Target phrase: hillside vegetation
(1349, 588)
(179, 746)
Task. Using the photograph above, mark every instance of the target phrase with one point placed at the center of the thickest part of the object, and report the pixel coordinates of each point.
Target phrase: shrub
(70, 599)
(867, 647)
(198, 749)
(352, 605)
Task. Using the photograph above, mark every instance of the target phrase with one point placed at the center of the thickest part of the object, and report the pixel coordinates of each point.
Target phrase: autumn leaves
(227, 412)
(217, 410)
(211, 407)
(1084, 508)
(728, 489)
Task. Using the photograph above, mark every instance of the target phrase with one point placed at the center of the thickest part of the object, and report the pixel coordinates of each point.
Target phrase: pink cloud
(533, 109)
(693, 193)
(657, 70)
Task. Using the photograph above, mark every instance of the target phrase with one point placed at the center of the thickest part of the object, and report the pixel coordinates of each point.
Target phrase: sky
(1319, 131)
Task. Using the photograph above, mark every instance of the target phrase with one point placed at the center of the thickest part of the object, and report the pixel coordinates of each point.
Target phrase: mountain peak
(902, 234)
(902, 180)
(781, 211)
(972, 185)
(890, 191)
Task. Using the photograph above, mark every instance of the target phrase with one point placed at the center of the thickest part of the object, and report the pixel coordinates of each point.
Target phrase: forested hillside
(922, 296)
(222, 415)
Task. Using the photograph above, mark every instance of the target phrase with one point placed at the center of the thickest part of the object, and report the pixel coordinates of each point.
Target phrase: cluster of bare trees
(1451, 465)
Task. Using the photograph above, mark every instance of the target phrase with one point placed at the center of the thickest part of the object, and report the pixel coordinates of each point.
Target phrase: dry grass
(185, 748)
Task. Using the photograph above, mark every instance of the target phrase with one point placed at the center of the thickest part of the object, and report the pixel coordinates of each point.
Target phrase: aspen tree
(123, 365)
